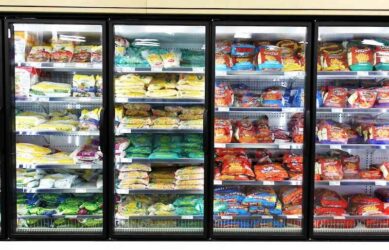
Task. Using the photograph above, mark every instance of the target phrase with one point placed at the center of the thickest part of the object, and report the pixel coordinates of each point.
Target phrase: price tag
(86, 166)
(80, 190)
(198, 69)
(78, 106)
(337, 110)
(362, 73)
(71, 216)
(339, 217)
(334, 183)
(268, 183)
(217, 182)
(220, 145)
(267, 217)
(127, 131)
(127, 160)
(122, 191)
(283, 146)
(225, 217)
(156, 69)
(293, 217)
(59, 65)
(187, 217)
(380, 183)
(97, 65)
(129, 69)
(221, 73)
(335, 146)
(223, 109)
(81, 65)
(124, 100)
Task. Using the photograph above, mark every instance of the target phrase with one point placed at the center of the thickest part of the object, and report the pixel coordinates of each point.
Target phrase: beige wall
(299, 7)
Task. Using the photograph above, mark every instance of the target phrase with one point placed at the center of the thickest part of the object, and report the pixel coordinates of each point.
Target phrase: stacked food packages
(283, 55)
(160, 86)
(258, 131)
(354, 55)
(146, 53)
(61, 121)
(329, 203)
(27, 84)
(142, 116)
(364, 129)
(66, 210)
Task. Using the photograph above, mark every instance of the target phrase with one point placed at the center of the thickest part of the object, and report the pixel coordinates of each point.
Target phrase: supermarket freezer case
(57, 166)
(239, 80)
(170, 60)
(2, 149)
(349, 167)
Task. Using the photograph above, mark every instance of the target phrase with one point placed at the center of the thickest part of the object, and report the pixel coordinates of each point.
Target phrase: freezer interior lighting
(72, 38)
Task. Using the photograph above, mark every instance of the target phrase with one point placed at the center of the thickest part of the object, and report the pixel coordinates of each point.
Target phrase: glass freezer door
(57, 102)
(159, 86)
(258, 130)
(352, 131)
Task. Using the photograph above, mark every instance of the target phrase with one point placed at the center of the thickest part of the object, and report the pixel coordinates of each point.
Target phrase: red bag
(270, 172)
(291, 195)
(296, 127)
(328, 198)
(293, 210)
(334, 224)
(371, 174)
(385, 170)
(331, 169)
(376, 223)
(335, 97)
(237, 165)
(223, 131)
(351, 166)
(224, 96)
(264, 134)
(362, 98)
(262, 156)
(330, 211)
(361, 204)
(225, 177)
(245, 132)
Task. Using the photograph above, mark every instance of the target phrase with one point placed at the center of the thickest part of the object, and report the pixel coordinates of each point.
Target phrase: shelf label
(267, 217)
(157, 69)
(86, 166)
(339, 217)
(122, 100)
(334, 183)
(198, 69)
(80, 190)
(59, 65)
(71, 216)
(335, 146)
(283, 146)
(380, 183)
(223, 109)
(187, 217)
(337, 110)
(293, 217)
(221, 73)
(81, 65)
(220, 145)
(362, 73)
(217, 182)
(226, 217)
(123, 191)
(268, 183)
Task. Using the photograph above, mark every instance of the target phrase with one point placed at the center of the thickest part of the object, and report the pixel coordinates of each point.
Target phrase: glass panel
(259, 123)
(351, 168)
(159, 95)
(57, 103)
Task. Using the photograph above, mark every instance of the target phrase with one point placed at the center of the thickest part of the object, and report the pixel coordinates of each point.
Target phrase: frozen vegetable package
(84, 85)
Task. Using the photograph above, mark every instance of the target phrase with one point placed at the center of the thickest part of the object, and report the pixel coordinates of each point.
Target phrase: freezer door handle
(101, 128)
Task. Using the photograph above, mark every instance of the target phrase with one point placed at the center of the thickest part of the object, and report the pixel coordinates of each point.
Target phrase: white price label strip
(86, 166)
(339, 217)
(157, 69)
(187, 217)
(221, 73)
(293, 217)
(198, 69)
(268, 183)
(226, 217)
(59, 65)
(335, 146)
(267, 217)
(380, 183)
(223, 109)
(283, 146)
(217, 182)
(334, 183)
(362, 73)
(81, 65)
(337, 110)
(71, 216)
(220, 145)
(81, 190)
